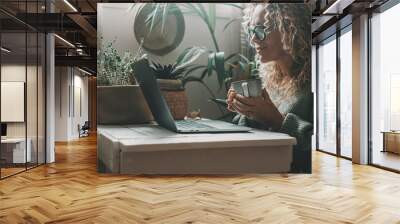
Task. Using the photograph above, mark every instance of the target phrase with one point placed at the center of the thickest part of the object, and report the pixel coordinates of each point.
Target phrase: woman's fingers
(230, 108)
(231, 95)
(237, 109)
(242, 111)
(245, 100)
(241, 106)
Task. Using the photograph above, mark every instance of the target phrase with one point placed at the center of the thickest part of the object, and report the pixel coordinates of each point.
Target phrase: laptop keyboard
(192, 125)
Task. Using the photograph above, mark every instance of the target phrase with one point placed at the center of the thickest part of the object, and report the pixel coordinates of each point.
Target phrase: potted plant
(119, 98)
(241, 70)
(171, 79)
(217, 62)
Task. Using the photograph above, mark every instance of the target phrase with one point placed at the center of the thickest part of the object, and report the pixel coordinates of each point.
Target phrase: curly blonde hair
(293, 21)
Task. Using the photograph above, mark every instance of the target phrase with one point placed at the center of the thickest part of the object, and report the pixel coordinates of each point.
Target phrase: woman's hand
(230, 96)
(261, 108)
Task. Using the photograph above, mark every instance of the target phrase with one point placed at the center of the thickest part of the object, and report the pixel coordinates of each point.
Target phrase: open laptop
(158, 106)
(3, 131)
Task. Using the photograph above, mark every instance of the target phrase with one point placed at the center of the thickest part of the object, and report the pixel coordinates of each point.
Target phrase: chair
(84, 130)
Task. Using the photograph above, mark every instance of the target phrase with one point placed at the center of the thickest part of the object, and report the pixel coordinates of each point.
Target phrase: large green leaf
(220, 67)
(194, 68)
(202, 12)
(166, 7)
(234, 5)
(242, 66)
(159, 14)
(244, 58)
(210, 64)
(199, 9)
(136, 5)
(191, 79)
(139, 6)
(231, 56)
(230, 22)
(154, 16)
(199, 80)
(187, 9)
(189, 55)
(241, 56)
(204, 73)
(212, 15)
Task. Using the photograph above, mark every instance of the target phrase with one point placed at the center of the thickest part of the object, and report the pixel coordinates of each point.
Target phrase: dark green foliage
(171, 71)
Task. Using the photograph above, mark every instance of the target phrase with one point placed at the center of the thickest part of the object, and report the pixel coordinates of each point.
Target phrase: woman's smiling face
(271, 47)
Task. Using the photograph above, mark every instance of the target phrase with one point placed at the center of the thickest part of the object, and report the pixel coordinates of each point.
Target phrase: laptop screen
(3, 129)
(151, 91)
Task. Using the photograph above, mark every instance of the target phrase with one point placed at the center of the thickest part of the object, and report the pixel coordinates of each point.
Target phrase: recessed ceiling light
(84, 71)
(337, 7)
(5, 50)
(70, 5)
(64, 40)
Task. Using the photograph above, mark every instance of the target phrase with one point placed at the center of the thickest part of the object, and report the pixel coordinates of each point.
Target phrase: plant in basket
(172, 77)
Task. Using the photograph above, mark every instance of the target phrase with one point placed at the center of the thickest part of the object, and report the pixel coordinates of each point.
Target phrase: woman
(280, 34)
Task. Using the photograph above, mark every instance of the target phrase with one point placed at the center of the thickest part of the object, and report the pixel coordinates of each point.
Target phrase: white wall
(115, 21)
(69, 81)
(14, 73)
(17, 73)
(80, 112)
(61, 103)
(33, 126)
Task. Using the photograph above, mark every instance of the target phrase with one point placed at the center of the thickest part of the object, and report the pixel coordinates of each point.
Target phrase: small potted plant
(241, 69)
(119, 98)
(171, 78)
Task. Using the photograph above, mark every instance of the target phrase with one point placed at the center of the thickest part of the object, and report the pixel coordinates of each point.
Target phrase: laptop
(3, 131)
(145, 76)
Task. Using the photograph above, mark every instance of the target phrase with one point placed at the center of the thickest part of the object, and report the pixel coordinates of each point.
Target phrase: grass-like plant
(114, 69)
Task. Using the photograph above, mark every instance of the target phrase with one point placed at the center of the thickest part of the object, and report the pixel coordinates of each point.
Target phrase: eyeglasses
(259, 31)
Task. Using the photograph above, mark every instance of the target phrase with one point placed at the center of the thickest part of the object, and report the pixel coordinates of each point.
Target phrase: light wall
(33, 127)
(16, 73)
(71, 102)
(115, 21)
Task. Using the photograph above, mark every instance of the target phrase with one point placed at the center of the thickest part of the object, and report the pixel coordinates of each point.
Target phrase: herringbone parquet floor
(71, 191)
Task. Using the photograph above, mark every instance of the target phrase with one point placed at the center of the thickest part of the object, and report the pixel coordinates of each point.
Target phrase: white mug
(248, 87)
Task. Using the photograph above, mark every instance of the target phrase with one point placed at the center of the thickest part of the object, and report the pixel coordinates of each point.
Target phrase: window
(327, 95)
(346, 92)
(385, 85)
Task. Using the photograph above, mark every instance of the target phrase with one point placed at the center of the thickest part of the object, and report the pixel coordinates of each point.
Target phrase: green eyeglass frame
(259, 31)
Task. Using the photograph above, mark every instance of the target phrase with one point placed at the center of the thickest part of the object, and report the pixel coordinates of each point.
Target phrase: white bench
(150, 149)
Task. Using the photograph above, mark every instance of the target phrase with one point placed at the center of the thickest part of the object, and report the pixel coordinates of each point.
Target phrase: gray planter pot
(122, 105)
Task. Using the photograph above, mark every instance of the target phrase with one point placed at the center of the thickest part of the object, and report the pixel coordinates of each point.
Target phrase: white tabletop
(153, 137)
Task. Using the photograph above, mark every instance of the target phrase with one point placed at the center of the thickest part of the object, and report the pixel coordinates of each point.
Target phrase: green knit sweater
(298, 123)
